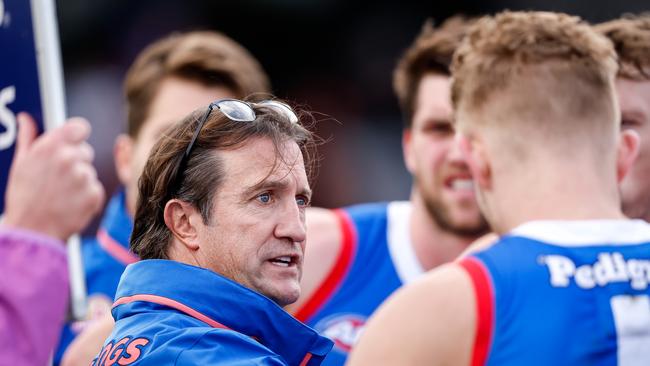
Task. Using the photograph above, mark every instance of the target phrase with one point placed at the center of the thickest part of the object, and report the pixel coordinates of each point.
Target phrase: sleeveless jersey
(375, 259)
(564, 293)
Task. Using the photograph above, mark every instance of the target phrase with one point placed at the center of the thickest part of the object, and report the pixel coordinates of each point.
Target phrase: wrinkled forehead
(433, 101)
(259, 160)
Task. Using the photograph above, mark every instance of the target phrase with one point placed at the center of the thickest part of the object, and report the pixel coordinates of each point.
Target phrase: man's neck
(433, 246)
(563, 196)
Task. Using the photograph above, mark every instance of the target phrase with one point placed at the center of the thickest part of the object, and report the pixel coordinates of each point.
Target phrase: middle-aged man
(631, 38)
(220, 229)
(567, 283)
(357, 256)
(169, 79)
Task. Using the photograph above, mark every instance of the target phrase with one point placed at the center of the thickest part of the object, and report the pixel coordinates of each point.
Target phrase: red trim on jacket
(161, 300)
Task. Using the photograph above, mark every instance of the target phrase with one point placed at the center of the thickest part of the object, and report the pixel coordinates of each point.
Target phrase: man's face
(634, 99)
(440, 174)
(176, 98)
(256, 234)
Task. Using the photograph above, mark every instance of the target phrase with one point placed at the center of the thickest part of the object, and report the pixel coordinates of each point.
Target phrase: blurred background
(336, 57)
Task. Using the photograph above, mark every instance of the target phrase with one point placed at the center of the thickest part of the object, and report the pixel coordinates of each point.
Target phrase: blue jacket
(105, 257)
(169, 313)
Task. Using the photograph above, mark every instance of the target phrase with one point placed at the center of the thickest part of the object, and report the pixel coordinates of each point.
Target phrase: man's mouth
(460, 184)
(284, 261)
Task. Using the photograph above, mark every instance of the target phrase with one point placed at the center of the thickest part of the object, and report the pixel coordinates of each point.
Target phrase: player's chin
(284, 292)
(469, 222)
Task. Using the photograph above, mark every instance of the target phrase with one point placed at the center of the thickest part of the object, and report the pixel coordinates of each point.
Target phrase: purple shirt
(33, 296)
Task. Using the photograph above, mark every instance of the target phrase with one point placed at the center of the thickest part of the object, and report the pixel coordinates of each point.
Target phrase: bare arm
(321, 253)
(431, 322)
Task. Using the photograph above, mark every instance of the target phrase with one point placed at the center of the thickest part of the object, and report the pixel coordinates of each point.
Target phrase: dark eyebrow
(635, 113)
(274, 185)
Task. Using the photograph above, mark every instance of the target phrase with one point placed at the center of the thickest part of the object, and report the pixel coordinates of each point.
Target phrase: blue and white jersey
(376, 258)
(564, 293)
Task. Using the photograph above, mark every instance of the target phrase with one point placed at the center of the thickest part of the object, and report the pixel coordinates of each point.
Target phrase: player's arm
(430, 322)
(322, 248)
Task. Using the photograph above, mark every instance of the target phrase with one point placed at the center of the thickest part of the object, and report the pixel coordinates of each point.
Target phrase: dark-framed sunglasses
(235, 110)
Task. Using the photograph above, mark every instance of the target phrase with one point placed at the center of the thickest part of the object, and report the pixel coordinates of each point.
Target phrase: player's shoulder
(439, 307)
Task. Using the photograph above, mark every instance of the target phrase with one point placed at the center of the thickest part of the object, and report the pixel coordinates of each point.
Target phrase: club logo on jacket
(343, 329)
(123, 352)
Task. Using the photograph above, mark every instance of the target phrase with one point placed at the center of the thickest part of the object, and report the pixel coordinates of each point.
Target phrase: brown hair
(631, 37)
(557, 52)
(207, 57)
(203, 172)
(431, 52)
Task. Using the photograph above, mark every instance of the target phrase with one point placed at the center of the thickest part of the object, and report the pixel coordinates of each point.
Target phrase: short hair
(537, 52)
(207, 57)
(431, 52)
(203, 172)
(631, 37)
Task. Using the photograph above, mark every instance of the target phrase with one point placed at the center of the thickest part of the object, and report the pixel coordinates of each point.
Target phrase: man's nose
(291, 223)
(455, 155)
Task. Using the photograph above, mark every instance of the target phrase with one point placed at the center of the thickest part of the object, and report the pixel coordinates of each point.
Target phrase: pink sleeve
(33, 296)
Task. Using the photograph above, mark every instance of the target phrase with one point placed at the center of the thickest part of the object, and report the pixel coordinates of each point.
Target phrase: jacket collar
(219, 302)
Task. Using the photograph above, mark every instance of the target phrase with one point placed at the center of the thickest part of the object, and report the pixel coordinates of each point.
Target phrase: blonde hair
(542, 73)
(631, 37)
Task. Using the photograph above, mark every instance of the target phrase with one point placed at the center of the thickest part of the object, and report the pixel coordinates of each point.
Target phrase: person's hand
(52, 187)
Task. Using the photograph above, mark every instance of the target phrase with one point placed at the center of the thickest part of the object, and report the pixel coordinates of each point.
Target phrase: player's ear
(122, 155)
(407, 150)
(182, 219)
(628, 149)
(474, 154)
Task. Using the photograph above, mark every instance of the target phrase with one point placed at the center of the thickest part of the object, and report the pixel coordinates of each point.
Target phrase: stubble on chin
(441, 215)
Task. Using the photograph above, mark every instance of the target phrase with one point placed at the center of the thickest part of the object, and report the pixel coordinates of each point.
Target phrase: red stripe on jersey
(484, 308)
(342, 265)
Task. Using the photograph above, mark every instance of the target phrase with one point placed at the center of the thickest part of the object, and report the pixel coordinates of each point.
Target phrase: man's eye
(264, 197)
(440, 128)
(302, 201)
(627, 123)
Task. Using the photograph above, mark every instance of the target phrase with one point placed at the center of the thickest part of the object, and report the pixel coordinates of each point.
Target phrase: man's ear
(628, 150)
(407, 150)
(474, 154)
(123, 155)
(181, 218)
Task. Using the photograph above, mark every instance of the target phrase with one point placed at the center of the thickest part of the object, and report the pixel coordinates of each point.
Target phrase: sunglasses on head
(235, 110)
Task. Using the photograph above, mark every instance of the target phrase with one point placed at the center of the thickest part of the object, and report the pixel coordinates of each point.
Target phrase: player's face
(634, 100)
(256, 234)
(175, 99)
(441, 176)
